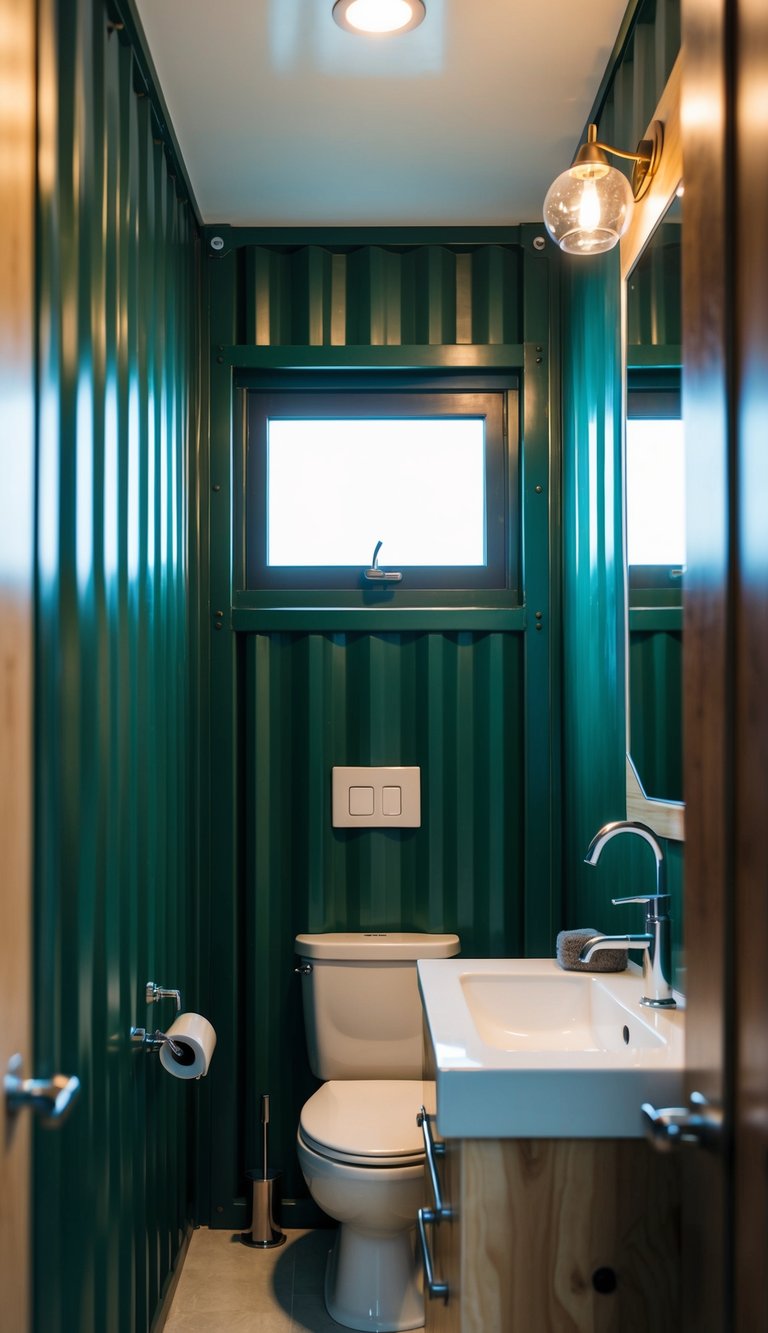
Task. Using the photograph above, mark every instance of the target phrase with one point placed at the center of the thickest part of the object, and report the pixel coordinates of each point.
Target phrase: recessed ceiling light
(379, 16)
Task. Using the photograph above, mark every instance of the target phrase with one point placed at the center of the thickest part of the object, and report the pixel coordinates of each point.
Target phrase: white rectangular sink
(525, 1049)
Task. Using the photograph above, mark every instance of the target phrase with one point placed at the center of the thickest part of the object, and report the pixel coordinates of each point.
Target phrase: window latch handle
(376, 575)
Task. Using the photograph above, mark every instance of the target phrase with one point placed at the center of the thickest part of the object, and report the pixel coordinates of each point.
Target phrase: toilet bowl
(373, 1186)
(358, 1143)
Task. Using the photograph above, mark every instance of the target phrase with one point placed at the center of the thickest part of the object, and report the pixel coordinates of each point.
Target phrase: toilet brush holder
(265, 1231)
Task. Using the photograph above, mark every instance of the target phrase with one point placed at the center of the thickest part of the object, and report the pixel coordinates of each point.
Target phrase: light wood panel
(537, 1220)
(17, 177)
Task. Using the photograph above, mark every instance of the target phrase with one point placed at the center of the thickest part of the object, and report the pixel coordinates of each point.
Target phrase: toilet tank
(362, 1011)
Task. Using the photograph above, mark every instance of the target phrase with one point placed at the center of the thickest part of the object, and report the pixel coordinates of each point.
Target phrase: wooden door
(17, 177)
(750, 580)
(725, 1214)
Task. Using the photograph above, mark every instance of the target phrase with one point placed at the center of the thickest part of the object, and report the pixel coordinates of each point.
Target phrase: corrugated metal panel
(654, 292)
(656, 710)
(451, 703)
(641, 75)
(114, 876)
(378, 295)
(594, 647)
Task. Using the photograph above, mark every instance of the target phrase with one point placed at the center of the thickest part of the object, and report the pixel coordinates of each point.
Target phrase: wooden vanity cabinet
(555, 1236)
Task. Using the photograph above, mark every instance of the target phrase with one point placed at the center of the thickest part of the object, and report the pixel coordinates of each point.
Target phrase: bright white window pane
(335, 488)
(655, 493)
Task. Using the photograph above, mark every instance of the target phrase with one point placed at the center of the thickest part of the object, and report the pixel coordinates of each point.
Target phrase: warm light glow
(378, 16)
(589, 209)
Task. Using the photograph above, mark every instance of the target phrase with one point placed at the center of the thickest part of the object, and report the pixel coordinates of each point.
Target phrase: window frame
(384, 396)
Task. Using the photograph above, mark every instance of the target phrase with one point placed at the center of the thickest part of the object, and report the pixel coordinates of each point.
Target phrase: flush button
(391, 800)
(361, 800)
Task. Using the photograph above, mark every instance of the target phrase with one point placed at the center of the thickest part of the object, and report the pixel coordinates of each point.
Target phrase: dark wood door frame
(725, 148)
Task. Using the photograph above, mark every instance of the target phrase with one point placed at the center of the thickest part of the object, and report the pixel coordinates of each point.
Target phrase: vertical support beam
(223, 1097)
(541, 565)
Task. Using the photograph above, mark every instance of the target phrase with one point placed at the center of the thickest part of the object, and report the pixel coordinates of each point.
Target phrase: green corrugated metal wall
(594, 643)
(452, 703)
(287, 706)
(115, 860)
(380, 295)
(656, 707)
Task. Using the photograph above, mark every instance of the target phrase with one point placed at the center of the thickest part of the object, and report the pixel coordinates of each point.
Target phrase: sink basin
(525, 1049)
(559, 1013)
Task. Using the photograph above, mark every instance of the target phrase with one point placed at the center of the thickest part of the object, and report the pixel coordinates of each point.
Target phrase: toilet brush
(265, 1231)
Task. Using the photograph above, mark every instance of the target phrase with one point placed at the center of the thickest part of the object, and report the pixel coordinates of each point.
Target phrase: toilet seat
(367, 1123)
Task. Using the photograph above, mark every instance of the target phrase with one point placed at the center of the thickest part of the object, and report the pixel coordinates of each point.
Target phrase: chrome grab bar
(433, 1285)
(431, 1151)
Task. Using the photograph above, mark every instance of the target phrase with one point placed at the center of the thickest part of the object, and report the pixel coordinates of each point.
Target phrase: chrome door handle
(700, 1124)
(51, 1099)
(434, 1286)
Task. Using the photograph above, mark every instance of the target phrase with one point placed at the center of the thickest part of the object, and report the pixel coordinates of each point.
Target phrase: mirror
(654, 489)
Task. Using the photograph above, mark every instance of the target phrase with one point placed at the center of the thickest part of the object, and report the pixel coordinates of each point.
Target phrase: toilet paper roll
(197, 1039)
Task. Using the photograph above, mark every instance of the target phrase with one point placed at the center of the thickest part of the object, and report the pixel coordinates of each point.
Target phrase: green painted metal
(594, 736)
(459, 356)
(654, 296)
(438, 618)
(656, 702)
(114, 838)
(296, 686)
(382, 296)
(451, 703)
(637, 72)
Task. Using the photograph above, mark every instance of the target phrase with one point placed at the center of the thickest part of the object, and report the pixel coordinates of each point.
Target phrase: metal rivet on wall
(539, 242)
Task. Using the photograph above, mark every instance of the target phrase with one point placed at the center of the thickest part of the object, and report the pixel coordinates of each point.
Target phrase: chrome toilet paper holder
(154, 1041)
(154, 993)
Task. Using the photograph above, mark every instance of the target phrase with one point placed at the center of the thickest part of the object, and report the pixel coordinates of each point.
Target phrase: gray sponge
(570, 944)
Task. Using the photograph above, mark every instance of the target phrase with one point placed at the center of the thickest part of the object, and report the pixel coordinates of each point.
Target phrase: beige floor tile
(310, 1257)
(225, 1285)
(311, 1316)
(230, 1322)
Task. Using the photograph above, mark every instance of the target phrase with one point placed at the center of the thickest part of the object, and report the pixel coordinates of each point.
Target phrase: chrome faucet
(656, 941)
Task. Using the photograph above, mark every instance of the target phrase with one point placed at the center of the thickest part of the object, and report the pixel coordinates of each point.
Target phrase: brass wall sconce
(589, 207)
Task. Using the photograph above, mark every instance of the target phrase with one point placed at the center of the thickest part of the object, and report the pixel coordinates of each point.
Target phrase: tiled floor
(225, 1287)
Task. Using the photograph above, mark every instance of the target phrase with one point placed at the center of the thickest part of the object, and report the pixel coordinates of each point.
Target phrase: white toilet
(359, 1146)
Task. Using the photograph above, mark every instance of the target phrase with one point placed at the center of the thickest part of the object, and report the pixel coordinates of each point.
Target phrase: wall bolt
(539, 360)
(539, 615)
(220, 614)
(539, 624)
(216, 487)
(217, 243)
(539, 489)
(539, 242)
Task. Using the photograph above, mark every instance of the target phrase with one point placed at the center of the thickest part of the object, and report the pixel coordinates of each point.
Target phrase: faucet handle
(663, 900)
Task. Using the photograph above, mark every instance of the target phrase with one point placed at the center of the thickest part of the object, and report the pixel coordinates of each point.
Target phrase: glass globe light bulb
(588, 208)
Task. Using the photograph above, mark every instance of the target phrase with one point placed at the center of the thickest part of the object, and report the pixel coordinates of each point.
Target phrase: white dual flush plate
(387, 797)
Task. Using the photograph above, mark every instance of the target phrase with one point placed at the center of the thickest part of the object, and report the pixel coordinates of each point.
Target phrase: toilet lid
(372, 1120)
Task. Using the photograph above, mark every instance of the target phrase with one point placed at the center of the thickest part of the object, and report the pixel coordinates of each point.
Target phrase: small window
(331, 474)
(655, 477)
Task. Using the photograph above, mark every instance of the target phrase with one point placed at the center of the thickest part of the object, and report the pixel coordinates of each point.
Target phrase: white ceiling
(284, 119)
